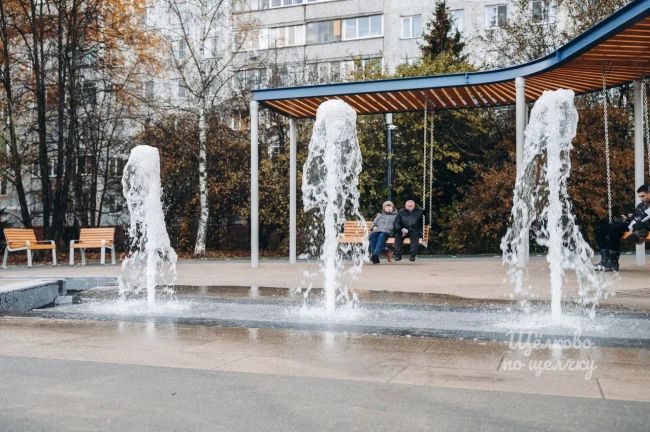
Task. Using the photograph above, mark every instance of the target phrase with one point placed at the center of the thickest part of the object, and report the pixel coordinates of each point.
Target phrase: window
(90, 92)
(496, 16)
(411, 26)
(251, 5)
(180, 50)
(279, 3)
(335, 74)
(251, 78)
(51, 167)
(282, 74)
(252, 40)
(148, 18)
(287, 36)
(410, 60)
(323, 32)
(148, 90)
(85, 164)
(363, 27)
(115, 167)
(181, 90)
(179, 15)
(311, 73)
(499, 58)
(542, 11)
(212, 47)
(347, 69)
(370, 65)
(457, 20)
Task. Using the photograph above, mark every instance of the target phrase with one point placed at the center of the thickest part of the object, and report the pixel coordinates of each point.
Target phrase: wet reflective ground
(383, 313)
(168, 372)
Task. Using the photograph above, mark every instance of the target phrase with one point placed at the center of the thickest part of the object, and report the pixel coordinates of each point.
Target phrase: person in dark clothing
(609, 235)
(408, 223)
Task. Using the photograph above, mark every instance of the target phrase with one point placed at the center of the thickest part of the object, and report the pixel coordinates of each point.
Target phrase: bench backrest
(16, 237)
(96, 234)
(356, 228)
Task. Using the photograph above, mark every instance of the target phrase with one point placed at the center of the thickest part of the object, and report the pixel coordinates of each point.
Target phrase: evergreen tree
(440, 36)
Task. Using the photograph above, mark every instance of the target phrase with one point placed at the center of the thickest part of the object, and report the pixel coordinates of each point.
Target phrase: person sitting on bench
(382, 229)
(609, 235)
(408, 223)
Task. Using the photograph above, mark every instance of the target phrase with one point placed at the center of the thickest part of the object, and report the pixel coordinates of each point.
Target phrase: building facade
(293, 42)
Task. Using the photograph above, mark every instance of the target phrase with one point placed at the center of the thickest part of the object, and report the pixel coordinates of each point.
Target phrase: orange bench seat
(19, 239)
(94, 238)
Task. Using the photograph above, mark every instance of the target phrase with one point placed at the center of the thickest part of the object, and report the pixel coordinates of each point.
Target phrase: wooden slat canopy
(618, 47)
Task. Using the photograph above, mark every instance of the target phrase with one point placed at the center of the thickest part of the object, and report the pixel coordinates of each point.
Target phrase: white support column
(638, 156)
(521, 119)
(255, 198)
(292, 190)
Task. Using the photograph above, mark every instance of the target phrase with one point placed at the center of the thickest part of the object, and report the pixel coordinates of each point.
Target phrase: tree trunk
(71, 66)
(62, 76)
(39, 69)
(199, 248)
(15, 160)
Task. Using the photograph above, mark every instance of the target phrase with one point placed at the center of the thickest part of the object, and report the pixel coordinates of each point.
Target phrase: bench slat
(628, 234)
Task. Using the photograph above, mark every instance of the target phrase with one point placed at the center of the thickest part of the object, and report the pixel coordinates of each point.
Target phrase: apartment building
(292, 42)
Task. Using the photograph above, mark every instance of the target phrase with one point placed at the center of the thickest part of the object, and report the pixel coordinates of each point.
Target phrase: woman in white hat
(382, 229)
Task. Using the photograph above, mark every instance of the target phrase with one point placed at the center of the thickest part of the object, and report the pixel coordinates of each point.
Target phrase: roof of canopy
(619, 47)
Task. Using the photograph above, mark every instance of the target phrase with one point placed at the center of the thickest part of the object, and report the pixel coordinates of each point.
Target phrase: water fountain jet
(330, 189)
(541, 204)
(151, 261)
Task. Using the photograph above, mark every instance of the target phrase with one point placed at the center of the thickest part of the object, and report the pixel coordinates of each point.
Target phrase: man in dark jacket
(608, 235)
(408, 223)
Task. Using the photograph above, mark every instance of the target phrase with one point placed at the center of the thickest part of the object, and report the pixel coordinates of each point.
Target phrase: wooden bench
(19, 239)
(424, 241)
(628, 234)
(94, 238)
(354, 232)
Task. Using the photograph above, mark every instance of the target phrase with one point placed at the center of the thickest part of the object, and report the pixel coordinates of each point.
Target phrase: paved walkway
(84, 375)
(472, 277)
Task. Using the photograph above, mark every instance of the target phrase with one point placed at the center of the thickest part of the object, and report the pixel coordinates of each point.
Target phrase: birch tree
(199, 42)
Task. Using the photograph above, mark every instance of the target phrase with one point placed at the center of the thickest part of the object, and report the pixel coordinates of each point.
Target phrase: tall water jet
(541, 204)
(151, 261)
(330, 188)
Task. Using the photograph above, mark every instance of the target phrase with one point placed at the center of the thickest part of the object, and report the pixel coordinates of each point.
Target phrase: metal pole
(389, 155)
(520, 120)
(255, 198)
(292, 190)
(638, 156)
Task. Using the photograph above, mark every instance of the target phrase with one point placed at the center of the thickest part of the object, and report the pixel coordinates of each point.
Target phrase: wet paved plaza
(63, 370)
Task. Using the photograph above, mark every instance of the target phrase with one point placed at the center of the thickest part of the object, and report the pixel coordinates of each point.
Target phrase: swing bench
(646, 134)
(628, 234)
(356, 232)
